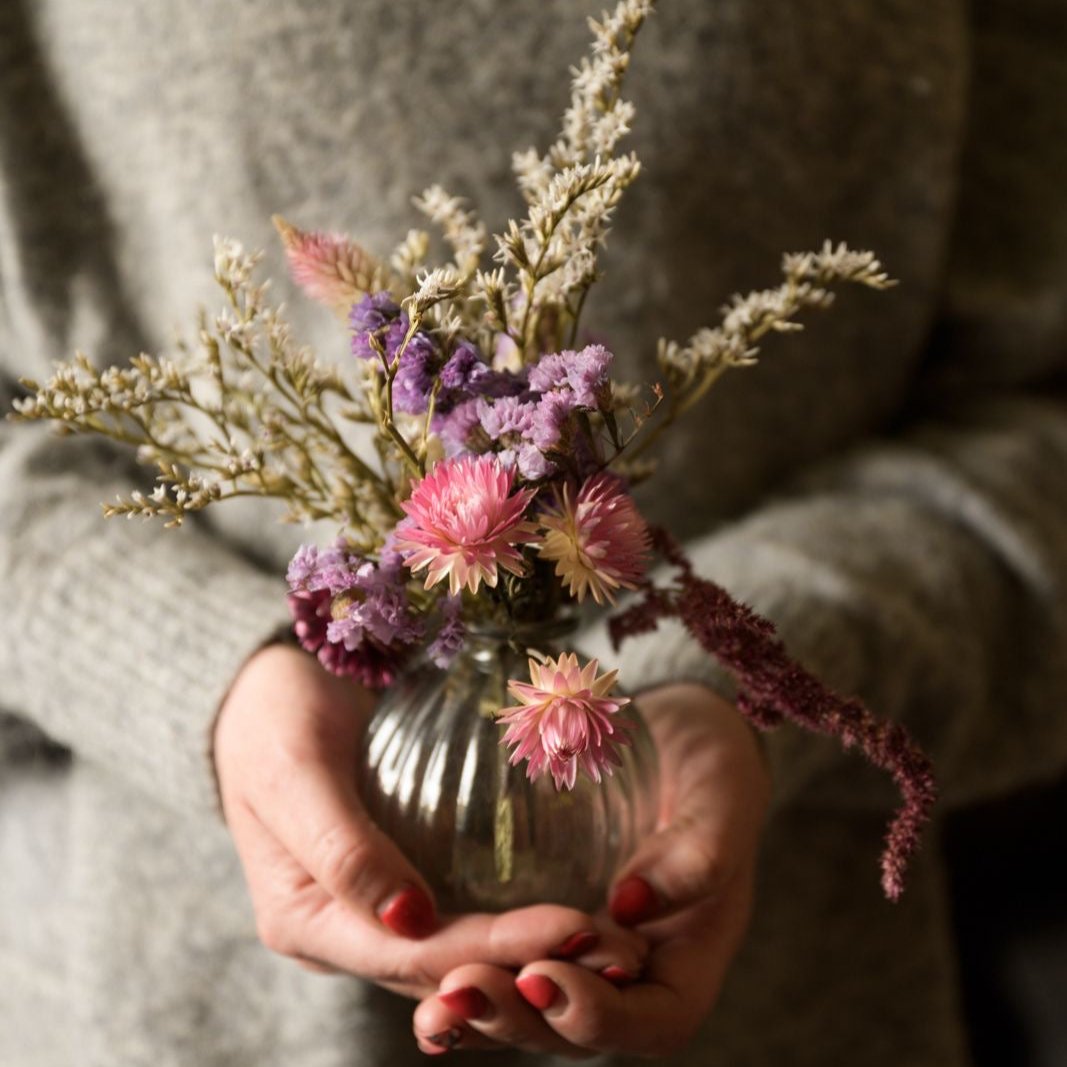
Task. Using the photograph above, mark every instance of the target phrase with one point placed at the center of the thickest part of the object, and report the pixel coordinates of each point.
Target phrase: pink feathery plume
(773, 687)
(330, 268)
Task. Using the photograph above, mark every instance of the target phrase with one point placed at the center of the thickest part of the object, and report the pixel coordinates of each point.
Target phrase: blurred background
(1008, 864)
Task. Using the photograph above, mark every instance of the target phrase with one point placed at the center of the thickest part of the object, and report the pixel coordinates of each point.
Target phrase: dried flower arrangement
(499, 491)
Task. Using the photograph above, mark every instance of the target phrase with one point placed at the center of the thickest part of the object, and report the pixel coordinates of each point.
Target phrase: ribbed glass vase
(437, 780)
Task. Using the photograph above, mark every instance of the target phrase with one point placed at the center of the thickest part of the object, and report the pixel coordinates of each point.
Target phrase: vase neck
(521, 635)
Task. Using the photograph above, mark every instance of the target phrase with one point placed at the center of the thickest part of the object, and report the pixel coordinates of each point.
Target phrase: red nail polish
(538, 990)
(576, 945)
(617, 976)
(447, 1039)
(632, 902)
(409, 914)
(468, 1002)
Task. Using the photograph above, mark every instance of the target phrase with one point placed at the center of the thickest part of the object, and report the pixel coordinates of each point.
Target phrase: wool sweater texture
(889, 486)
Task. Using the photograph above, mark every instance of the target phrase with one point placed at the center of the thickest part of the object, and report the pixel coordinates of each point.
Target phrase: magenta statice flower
(464, 524)
(566, 720)
(352, 613)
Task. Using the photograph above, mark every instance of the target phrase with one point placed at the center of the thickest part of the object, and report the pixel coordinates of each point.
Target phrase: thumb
(716, 791)
(322, 823)
(671, 870)
(285, 747)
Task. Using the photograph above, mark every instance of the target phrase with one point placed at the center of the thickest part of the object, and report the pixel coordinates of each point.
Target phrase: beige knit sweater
(891, 486)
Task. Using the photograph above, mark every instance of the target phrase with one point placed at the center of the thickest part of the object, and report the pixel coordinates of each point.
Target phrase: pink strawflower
(597, 537)
(329, 267)
(566, 721)
(464, 523)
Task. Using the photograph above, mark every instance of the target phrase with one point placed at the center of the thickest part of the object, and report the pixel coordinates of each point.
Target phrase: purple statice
(509, 424)
(501, 383)
(315, 569)
(451, 634)
(533, 464)
(464, 370)
(378, 316)
(550, 416)
(506, 416)
(375, 313)
(352, 613)
(458, 427)
(415, 376)
(584, 373)
(550, 372)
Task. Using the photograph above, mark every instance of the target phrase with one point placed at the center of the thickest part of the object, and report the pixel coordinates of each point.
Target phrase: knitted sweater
(890, 486)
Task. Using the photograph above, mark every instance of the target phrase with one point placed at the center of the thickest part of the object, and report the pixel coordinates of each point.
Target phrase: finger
(316, 814)
(589, 1013)
(484, 1001)
(714, 801)
(415, 968)
(660, 1014)
(297, 918)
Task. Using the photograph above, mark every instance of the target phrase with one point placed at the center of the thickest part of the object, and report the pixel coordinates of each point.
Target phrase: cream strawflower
(464, 523)
(598, 538)
(566, 721)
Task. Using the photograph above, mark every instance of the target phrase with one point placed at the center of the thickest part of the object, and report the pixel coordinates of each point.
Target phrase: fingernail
(538, 990)
(617, 976)
(447, 1039)
(576, 945)
(410, 913)
(468, 1002)
(632, 902)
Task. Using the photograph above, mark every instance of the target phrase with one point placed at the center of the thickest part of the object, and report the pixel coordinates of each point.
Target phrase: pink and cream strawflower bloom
(566, 721)
(464, 524)
(597, 537)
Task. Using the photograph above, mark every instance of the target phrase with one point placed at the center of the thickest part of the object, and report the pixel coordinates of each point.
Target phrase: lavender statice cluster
(353, 613)
(378, 324)
(527, 417)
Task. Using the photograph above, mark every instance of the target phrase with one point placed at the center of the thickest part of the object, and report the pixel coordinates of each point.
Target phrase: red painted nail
(468, 1002)
(633, 902)
(447, 1039)
(409, 914)
(576, 945)
(617, 976)
(538, 990)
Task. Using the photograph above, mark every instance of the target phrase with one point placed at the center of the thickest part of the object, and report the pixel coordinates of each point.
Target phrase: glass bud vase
(436, 779)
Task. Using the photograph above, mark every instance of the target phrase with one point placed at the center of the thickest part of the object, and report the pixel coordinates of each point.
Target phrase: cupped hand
(328, 888)
(688, 889)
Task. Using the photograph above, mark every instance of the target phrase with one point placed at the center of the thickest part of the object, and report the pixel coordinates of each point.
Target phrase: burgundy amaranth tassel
(773, 687)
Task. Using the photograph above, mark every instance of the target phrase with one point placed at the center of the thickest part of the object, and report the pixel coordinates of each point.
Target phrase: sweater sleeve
(119, 640)
(927, 576)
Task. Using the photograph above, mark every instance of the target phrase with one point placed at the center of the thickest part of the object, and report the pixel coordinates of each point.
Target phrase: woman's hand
(688, 889)
(328, 887)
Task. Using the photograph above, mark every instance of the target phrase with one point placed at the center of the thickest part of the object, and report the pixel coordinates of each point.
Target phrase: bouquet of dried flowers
(498, 486)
